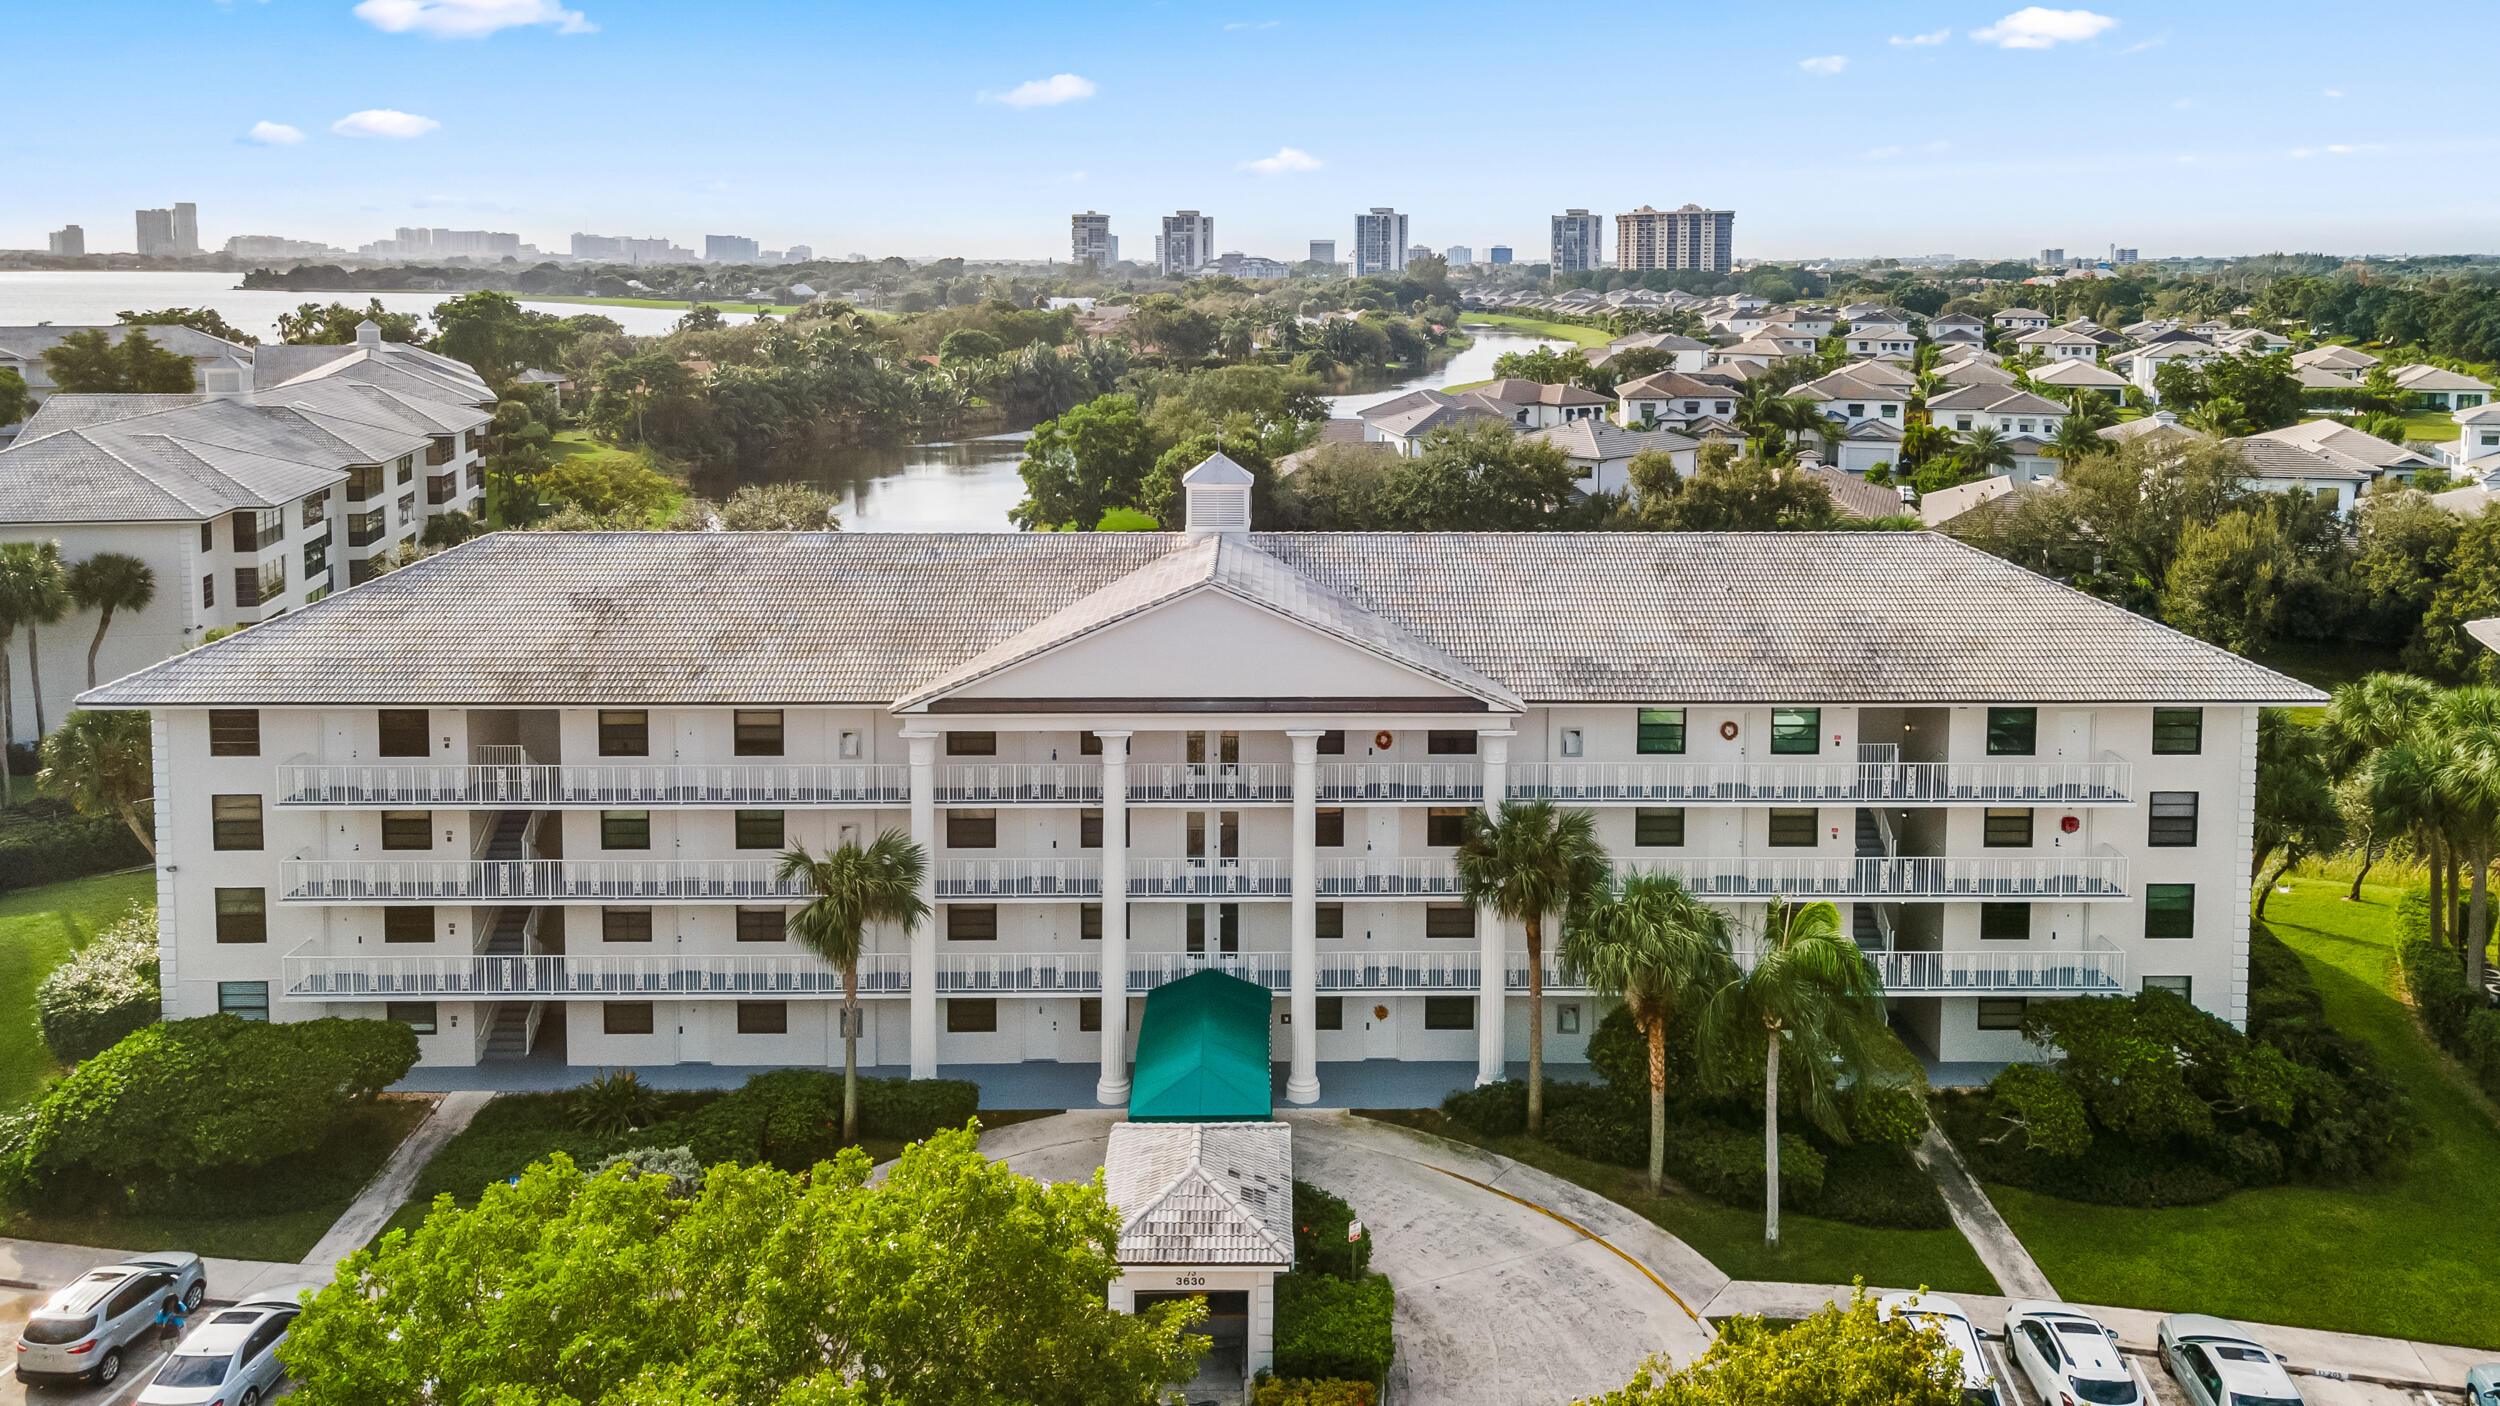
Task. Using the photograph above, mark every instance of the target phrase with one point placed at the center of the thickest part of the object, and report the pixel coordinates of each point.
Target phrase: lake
(28, 297)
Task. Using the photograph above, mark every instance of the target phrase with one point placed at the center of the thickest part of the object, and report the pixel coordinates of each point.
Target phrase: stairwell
(510, 1036)
(510, 935)
(1865, 927)
(507, 841)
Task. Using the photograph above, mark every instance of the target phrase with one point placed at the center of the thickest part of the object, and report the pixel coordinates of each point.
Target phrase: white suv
(2070, 1358)
(82, 1332)
(231, 1359)
(1944, 1316)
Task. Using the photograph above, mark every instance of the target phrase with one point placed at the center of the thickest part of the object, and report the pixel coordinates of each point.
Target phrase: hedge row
(104, 992)
(1310, 1391)
(1330, 1327)
(2459, 1018)
(48, 849)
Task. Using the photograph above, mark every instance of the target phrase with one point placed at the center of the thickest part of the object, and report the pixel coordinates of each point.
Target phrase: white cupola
(1217, 497)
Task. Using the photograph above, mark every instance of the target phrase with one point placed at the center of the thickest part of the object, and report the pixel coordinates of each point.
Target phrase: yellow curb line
(1584, 1230)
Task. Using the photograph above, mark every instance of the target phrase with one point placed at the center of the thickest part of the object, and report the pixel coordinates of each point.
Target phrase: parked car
(2070, 1358)
(84, 1330)
(2482, 1385)
(232, 1358)
(1979, 1383)
(2217, 1363)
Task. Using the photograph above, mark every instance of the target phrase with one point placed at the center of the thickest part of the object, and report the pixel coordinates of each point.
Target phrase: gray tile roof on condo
(1604, 439)
(2272, 458)
(71, 412)
(1202, 1193)
(798, 618)
(181, 462)
(28, 343)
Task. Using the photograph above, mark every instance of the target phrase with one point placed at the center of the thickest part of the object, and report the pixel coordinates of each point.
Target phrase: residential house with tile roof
(1601, 451)
(22, 349)
(2059, 344)
(1677, 400)
(2027, 422)
(2142, 364)
(2064, 378)
(1205, 1211)
(1535, 405)
(2022, 319)
(2437, 388)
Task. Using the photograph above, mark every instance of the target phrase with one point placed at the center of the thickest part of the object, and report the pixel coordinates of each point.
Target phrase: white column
(1492, 938)
(1112, 1087)
(1302, 1001)
(924, 943)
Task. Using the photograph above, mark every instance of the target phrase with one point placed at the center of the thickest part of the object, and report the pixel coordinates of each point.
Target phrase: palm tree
(2364, 719)
(1656, 948)
(2469, 719)
(98, 762)
(2092, 408)
(1818, 1004)
(106, 582)
(1531, 860)
(2076, 439)
(1984, 451)
(34, 591)
(855, 887)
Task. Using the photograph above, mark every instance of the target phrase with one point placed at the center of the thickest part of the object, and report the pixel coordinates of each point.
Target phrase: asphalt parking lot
(2316, 1391)
(137, 1366)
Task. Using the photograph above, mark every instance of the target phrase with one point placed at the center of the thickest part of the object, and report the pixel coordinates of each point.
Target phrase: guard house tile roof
(1202, 1193)
(663, 618)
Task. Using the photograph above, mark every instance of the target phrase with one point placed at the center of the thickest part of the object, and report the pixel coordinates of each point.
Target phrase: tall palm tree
(2077, 438)
(1658, 949)
(1531, 860)
(1817, 1004)
(855, 887)
(2406, 792)
(2469, 718)
(99, 763)
(1984, 451)
(106, 582)
(34, 591)
(2364, 720)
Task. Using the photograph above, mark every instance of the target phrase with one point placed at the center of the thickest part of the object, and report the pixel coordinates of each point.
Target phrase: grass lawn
(39, 929)
(578, 444)
(1571, 332)
(1810, 1250)
(2408, 1257)
(2429, 424)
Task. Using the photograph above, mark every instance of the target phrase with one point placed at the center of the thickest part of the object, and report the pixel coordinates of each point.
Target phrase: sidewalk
(1976, 1216)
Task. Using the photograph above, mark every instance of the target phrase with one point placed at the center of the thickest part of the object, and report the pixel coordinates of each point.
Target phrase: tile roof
(1515, 391)
(1604, 439)
(866, 618)
(1669, 385)
(1995, 400)
(1202, 1193)
(2423, 377)
(2076, 372)
(1974, 372)
(1854, 496)
(28, 343)
(2335, 357)
(2273, 458)
(2345, 440)
(182, 462)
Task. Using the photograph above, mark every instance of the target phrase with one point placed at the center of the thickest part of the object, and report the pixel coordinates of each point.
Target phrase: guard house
(1206, 1210)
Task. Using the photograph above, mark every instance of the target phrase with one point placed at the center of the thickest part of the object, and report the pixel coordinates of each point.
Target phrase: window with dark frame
(625, 1017)
(1331, 919)
(2002, 1012)
(763, 1017)
(2006, 827)
(972, 829)
(1449, 1012)
(2004, 922)
(972, 922)
(763, 925)
(404, 732)
(1089, 1015)
(244, 1000)
(1796, 732)
(407, 829)
(1328, 1013)
(2171, 822)
(965, 1017)
(1442, 743)
(972, 744)
(624, 829)
(624, 732)
(2178, 732)
(1446, 825)
(625, 925)
(2183, 987)
(1660, 732)
(242, 915)
(1089, 922)
(1795, 829)
(1089, 829)
(757, 732)
(416, 1015)
(408, 924)
(234, 732)
(1449, 920)
(1329, 828)
(2170, 910)
(2013, 732)
(1089, 744)
(1658, 828)
(759, 829)
(1332, 743)
(234, 822)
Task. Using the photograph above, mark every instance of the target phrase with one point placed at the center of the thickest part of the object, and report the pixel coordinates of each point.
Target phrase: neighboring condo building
(1187, 243)
(1379, 242)
(730, 249)
(69, 241)
(1323, 251)
(516, 796)
(22, 349)
(296, 470)
(170, 233)
(1578, 244)
(1458, 256)
(1089, 240)
(1687, 237)
(1501, 253)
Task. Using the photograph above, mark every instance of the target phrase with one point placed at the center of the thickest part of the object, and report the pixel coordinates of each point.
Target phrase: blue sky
(2222, 126)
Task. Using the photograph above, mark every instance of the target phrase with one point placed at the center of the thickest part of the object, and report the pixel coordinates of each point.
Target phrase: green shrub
(2115, 1172)
(613, 1102)
(684, 1173)
(105, 991)
(1877, 1184)
(1307, 1391)
(1600, 1135)
(1320, 1243)
(2043, 1110)
(2457, 1018)
(49, 843)
(1501, 1109)
(1725, 1163)
(912, 1109)
(1892, 1114)
(792, 1118)
(515, 1130)
(1329, 1327)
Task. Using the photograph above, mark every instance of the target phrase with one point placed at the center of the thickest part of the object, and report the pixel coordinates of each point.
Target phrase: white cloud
(383, 122)
(2153, 43)
(1286, 159)
(2334, 92)
(1245, 24)
(1826, 66)
(273, 134)
(1045, 92)
(1883, 153)
(1920, 41)
(2034, 27)
(2337, 149)
(468, 19)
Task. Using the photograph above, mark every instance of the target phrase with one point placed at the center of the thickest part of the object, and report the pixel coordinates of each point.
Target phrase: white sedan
(1979, 1385)
(231, 1358)
(2070, 1358)
(2217, 1363)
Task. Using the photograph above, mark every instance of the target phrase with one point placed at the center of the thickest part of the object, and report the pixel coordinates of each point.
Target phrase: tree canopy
(91, 362)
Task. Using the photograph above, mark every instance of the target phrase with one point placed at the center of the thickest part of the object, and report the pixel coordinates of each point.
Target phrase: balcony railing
(1213, 782)
(2094, 969)
(1380, 782)
(1148, 970)
(2107, 781)
(1388, 878)
(1929, 879)
(1051, 783)
(1019, 878)
(1068, 973)
(1205, 878)
(505, 783)
(534, 880)
(370, 978)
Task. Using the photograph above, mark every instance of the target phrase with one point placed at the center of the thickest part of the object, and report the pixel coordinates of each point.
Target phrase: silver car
(232, 1358)
(83, 1331)
(2070, 1358)
(2217, 1363)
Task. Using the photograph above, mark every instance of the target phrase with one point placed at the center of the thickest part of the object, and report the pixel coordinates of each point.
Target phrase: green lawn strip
(1810, 1251)
(578, 444)
(39, 929)
(2429, 424)
(303, 1201)
(1566, 331)
(2407, 1257)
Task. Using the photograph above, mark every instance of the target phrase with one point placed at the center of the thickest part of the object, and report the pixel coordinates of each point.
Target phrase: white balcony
(597, 976)
(1020, 973)
(1915, 880)
(2104, 782)
(1383, 783)
(1048, 783)
(534, 881)
(1148, 970)
(496, 785)
(1059, 879)
(1389, 878)
(1237, 783)
(1209, 878)
(2087, 969)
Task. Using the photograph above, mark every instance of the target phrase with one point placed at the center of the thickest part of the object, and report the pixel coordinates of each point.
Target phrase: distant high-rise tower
(1379, 242)
(1323, 251)
(186, 227)
(69, 241)
(729, 249)
(156, 232)
(1459, 255)
(1187, 244)
(2053, 258)
(1501, 253)
(2122, 256)
(1687, 237)
(1579, 242)
(1089, 239)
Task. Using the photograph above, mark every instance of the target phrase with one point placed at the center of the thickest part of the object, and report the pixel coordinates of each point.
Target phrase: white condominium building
(1089, 240)
(1578, 242)
(1379, 242)
(538, 784)
(1687, 237)
(1186, 244)
(293, 472)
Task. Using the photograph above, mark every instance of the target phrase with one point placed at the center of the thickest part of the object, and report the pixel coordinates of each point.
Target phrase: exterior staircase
(511, 828)
(510, 935)
(510, 1037)
(1870, 836)
(1866, 925)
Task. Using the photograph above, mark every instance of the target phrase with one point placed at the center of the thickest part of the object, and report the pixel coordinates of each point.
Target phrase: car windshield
(58, 1330)
(193, 1370)
(2104, 1392)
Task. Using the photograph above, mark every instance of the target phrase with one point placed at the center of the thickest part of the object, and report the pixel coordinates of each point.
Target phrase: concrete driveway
(1499, 1303)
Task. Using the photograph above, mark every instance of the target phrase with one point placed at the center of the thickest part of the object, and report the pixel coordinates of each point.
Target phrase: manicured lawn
(578, 444)
(39, 929)
(1810, 1250)
(1567, 331)
(2429, 424)
(2409, 1256)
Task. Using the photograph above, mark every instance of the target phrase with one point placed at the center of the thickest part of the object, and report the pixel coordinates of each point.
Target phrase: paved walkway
(374, 1207)
(1990, 1237)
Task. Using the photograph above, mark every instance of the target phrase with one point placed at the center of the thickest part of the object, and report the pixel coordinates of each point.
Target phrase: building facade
(1187, 243)
(170, 233)
(1578, 242)
(517, 797)
(1089, 239)
(1323, 251)
(1500, 254)
(1379, 242)
(1687, 237)
(69, 242)
(729, 249)
(1459, 255)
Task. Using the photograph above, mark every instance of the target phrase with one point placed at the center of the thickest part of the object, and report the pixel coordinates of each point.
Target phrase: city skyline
(538, 118)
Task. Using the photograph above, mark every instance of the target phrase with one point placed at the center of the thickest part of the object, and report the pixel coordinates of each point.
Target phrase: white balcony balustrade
(1928, 879)
(1020, 973)
(1048, 783)
(1148, 970)
(2087, 969)
(302, 783)
(2104, 782)
(1240, 783)
(1358, 783)
(1389, 878)
(1209, 878)
(314, 976)
(534, 880)
(1019, 878)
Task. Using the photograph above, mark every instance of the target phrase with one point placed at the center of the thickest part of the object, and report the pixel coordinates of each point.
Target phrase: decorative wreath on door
(1381, 740)
(1728, 730)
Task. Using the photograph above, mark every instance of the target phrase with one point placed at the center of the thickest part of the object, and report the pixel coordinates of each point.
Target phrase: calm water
(30, 297)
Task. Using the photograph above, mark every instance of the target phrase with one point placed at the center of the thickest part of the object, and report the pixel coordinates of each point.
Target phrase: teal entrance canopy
(1202, 1052)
